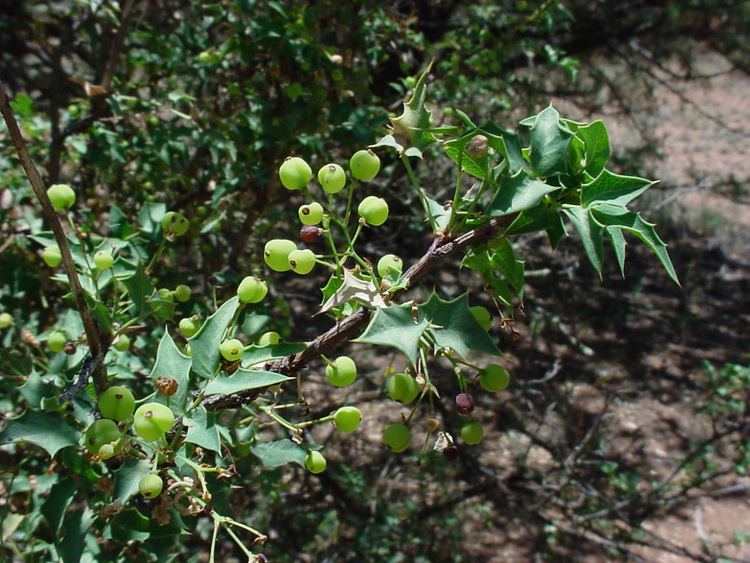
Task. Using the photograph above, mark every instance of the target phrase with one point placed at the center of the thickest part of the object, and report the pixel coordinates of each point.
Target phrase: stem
(98, 341)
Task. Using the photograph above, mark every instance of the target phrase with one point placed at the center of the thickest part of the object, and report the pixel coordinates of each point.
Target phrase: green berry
(101, 432)
(182, 293)
(165, 295)
(121, 343)
(494, 378)
(174, 224)
(295, 173)
(152, 420)
(150, 486)
(252, 290)
(397, 437)
(117, 403)
(107, 451)
(51, 256)
(402, 387)
(342, 372)
(302, 261)
(231, 350)
(347, 419)
(482, 316)
(6, 320)
(276, 254)
(269, 339)
(103, 259)
(311, 213)
(364, 165)
(472, 433)
(61, 196)
(315, 462)
(390, 263)
(374, 210)
(332, 179)
(189, 327)
(56, 341)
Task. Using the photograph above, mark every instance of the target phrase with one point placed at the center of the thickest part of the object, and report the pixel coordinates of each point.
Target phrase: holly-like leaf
(507, 144)
(440, 213)
(60, 497)
(204, 346)
(139, 288)
(203, 430)
(172, 363)
(614, 216)
(596, 140)
(613, 189)
(394, 326)
(518, 193)
(549, 143)
(281, 452)
(412, 125)
(243, 380)
(43, 429)
(75, 528)
(453, 326)
(504, 260)
(591, 235)
(618, 243)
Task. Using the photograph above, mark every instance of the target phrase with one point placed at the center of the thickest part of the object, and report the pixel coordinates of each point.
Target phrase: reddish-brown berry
(464, 403)
(310, 233)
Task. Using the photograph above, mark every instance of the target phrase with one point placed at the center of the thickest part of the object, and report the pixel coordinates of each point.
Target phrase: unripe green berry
(472, 433)
(252, 290)
(302, 261)
(494, 378)
(51, 256)
(402, 387)
(117, 403)
(276, 254)
(390, 263)
(174, 224)
(6, 320)
(107, 451)
(342, 372)
(56, 341)
(100, 432)
(61, 196)
(189, 327)
(182, 293)
(165, 295)
(231, 350)
(150, 486)
(295, 173)
(315, 462)
(374, 210)
(482, 316)
(269, 339)
(396, 437)
(121, 343)
(332, 179)
(364, 165)
(152, 420)
(347, 419)
(103, 259)
(310, 213)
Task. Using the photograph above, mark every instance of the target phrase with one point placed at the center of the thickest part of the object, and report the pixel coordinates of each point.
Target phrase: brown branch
(98, 341)
(441, 248)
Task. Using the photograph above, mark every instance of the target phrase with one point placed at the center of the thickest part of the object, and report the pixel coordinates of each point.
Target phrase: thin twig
(98, 341)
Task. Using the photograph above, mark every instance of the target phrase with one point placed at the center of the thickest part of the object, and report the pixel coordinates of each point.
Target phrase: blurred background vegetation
(629, 408)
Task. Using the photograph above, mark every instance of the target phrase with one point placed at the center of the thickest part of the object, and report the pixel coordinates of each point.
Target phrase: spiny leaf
(453, 326)
(42, 429)
(518, 193)
(172, 363)
(591, 235)
(205, 345)
(394, 326)
(243, 380)
(596, 139)
(618, 243)
(412, 125)
(281, 452)
(614, 216)
(549, 143)
(203, 430)
(614, 189)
